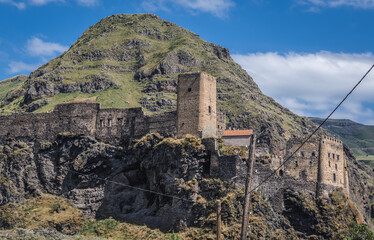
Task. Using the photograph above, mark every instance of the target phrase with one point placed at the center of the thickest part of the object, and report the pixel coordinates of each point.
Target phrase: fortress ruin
(319, 166)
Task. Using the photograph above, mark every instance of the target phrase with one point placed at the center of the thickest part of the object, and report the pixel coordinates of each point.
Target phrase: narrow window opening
(210, 109)
(296, 164)
(310, 163)
(189, 89)
(328, 155)
(329, 164)
(102, 123)
(333, 156)
(281, 173)
(337, 157)
(302, 154)
(109, 122)
(336, 166)
(313, 154)
(334, 177)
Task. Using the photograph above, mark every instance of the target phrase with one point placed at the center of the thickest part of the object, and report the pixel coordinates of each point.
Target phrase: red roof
(230, 133)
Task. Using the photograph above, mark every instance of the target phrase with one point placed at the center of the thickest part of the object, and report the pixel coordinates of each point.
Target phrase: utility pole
(248, 186)
(219, 220)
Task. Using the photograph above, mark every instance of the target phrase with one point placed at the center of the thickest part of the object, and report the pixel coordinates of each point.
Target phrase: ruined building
(319, 166)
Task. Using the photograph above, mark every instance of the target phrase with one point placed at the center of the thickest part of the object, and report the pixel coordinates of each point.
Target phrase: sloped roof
(232, 133)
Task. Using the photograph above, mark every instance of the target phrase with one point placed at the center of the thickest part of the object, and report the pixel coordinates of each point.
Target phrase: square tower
(196, 105)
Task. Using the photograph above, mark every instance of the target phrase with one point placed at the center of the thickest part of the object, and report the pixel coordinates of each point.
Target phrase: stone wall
(114, 126)
(304, 163)
(221, 123)
(236, 140)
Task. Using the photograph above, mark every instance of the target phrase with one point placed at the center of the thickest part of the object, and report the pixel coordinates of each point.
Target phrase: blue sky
(306, 54)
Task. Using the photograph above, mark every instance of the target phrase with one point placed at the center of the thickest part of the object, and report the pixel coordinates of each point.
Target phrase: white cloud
(313, 84)
(19, 5)
(314, 5)
(37, 47)
(88, 3)
(21, 67)
(218, 8)
(43, 2)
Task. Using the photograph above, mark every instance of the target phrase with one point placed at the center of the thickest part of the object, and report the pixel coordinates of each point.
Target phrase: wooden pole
(248, 186)
(218, 220)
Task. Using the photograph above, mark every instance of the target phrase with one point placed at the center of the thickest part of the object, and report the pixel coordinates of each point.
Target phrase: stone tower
(196, 105)
(332, 169)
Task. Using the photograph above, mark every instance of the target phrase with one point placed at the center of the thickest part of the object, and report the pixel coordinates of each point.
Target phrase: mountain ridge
(133, 61)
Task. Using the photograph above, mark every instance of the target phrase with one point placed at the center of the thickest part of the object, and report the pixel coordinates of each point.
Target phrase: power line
(128, 186)
(307, 139)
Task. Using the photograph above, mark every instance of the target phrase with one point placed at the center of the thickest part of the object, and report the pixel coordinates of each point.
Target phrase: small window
(329, 164)
(337, 157)
(328, 155)
(109, 122)
(102, 123)
(302, 154)
(336, 166)
(313, 154)
(333, 156)
(281, 173)
(334, 177)
(296, 164)
(310, 163)
(210, 109)
(189, 89)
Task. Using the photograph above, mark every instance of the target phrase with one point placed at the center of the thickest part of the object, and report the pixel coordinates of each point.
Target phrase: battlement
(328, 139)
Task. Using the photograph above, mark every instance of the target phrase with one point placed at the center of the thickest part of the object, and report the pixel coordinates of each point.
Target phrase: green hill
(134, 60)
(358, 137)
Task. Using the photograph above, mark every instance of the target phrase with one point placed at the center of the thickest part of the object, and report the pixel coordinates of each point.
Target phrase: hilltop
(134, 60)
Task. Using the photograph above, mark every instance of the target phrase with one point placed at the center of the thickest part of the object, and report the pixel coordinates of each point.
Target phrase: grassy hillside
(358, 137)
(52, 212)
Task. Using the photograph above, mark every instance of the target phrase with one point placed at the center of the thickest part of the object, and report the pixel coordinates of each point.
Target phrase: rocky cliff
(136, 184)
(133, 60)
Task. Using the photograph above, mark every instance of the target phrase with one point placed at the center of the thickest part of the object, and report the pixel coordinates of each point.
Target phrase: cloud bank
(17, 67)
(318, 4)
(37, 47)
(219, 8)
(22, 4)
(312, 84)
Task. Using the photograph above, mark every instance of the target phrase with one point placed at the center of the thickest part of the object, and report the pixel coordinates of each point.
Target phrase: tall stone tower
(332, 169)
(196, 105)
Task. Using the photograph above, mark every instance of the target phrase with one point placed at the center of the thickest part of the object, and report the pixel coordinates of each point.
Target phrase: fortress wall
(304, 163)
(164, 123)
(109, 124)
(79, 118)
(33, 126)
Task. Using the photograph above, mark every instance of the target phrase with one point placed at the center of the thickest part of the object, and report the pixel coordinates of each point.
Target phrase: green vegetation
(11, 84)
(48, 211)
